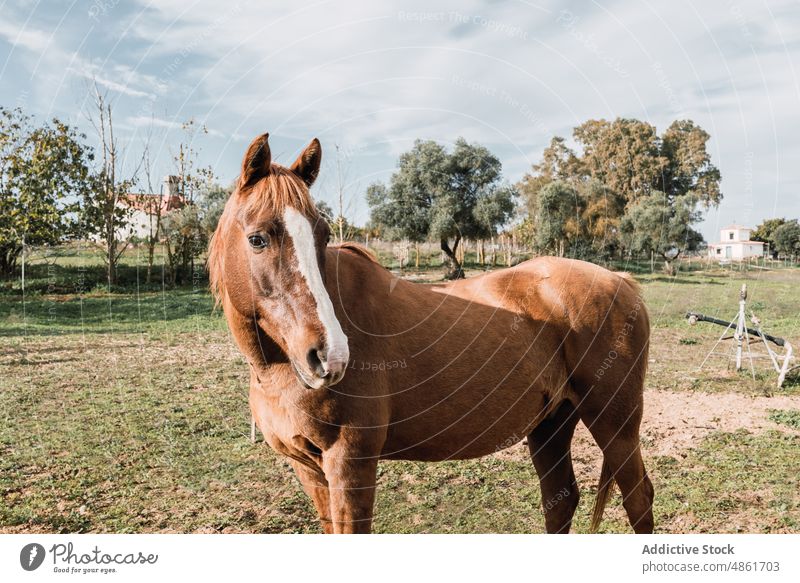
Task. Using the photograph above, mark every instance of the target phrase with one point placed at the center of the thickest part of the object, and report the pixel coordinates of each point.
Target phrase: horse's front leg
(316, 486)
(351, 486)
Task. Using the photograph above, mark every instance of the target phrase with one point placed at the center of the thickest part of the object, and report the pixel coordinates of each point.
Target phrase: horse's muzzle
(320, 370)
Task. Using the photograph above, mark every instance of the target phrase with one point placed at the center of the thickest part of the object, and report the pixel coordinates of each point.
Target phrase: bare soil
(675, 422)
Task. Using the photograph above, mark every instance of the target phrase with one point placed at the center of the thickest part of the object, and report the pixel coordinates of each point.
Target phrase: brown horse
(350, 365)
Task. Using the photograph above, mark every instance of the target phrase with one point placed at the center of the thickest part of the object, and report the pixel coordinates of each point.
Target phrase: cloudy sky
(373, 76)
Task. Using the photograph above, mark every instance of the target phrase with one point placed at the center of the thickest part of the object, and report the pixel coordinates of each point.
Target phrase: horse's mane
(214, 263)
(281, 188)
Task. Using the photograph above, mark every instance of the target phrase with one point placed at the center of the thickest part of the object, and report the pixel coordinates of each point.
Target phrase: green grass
(127, 412)
(788, 417)
(156, 313)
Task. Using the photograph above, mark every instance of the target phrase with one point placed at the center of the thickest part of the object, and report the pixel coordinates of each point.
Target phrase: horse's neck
(373, 303)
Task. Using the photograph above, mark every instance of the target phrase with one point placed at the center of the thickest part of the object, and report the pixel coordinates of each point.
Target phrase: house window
(730, 235)
(719, 251)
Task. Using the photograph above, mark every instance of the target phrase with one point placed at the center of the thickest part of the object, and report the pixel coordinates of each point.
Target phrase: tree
(341, 228)
(492, 211)
(662, 225)
(404, 208)
(184, 236)
(102, 213)
(184, 232)
(603, 209)
(787, 238)
(43, 172)
(765, 232)
(624, 155)
(558, 162)
(212, 204)
(617, 164)
(444, 196)
(558, 217)
(153, 206)
(688, 167)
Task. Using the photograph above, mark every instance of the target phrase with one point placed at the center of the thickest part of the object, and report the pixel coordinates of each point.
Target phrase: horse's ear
(307, 164)
(256, 162)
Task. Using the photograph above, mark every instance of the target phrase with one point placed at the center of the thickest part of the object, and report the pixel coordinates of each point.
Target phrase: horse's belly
(470, 423)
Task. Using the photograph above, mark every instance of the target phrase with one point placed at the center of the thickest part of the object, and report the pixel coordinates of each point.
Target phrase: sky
(368, 78)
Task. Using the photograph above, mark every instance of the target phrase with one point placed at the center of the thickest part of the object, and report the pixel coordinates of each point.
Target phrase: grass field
(127, 412)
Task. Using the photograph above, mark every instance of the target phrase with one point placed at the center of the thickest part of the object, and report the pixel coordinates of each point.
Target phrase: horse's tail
(604, 489)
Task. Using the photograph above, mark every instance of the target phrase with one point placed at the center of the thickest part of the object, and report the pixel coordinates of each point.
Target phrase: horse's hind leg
(549, 444)
(615, 428)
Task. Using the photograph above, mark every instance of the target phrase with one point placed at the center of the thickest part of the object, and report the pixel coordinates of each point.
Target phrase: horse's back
(574, 292)
(599, 313)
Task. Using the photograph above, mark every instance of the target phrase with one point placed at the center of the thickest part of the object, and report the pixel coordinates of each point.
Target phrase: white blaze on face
(299, 229)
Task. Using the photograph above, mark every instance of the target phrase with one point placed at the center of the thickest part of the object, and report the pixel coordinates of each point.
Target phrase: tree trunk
(456, 272)
(151, 248)
(111, 261)
(8, 259)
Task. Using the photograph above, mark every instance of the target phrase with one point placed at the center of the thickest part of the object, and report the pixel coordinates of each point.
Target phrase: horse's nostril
(316, 359)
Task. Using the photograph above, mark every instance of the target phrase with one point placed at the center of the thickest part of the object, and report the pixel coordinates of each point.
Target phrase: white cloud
(96, 74)
(23, 37)
(374, 76)
(152, 121)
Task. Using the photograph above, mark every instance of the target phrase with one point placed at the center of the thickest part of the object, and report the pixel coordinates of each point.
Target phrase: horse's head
(267, 261)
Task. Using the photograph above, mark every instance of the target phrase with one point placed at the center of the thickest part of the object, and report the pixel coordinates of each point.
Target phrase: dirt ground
(674, 422)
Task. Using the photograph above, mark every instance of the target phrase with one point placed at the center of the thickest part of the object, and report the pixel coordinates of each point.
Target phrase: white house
(145, 209)
(735, 245)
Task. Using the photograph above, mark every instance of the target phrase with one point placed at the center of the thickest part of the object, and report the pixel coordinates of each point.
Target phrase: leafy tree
(558, 162)
(184, 236)
(494, 210)
(661, 224)
(624, 155)
(603, 209)
(765, 232)
(688, 169)
(447, 196)
(581, 219)
(405, 207)
(618, 163)
(525, 232)
(184, 232)
(558, 219)
(787, 238)
(43, 172)
(212, 204)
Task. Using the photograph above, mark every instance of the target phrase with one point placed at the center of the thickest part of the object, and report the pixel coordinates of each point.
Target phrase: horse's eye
(257, 241)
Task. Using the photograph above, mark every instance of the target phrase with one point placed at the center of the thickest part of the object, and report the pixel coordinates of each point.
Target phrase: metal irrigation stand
(742, 335)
